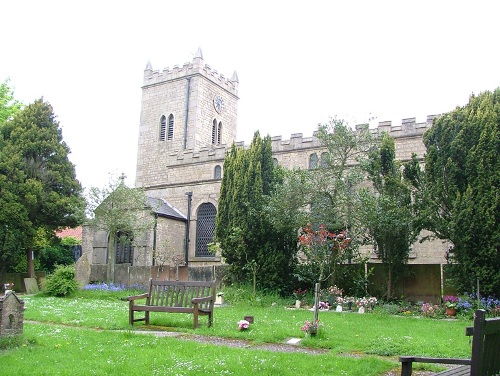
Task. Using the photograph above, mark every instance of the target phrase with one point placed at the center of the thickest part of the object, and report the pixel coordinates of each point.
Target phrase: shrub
(62, 282)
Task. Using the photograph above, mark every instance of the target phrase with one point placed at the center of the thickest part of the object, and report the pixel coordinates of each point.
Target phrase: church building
(188, 121)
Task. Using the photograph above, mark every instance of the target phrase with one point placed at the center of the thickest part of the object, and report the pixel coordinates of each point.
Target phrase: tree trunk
(31, 264)
(110, 267)
(389, 284)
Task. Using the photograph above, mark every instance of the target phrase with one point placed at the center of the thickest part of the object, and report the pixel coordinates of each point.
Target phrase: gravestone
(11, 314)
(31, 285)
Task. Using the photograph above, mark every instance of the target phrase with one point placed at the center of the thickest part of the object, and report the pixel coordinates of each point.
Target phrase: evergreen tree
(387, 211)
(251, 246)
(40, 192)
(462, 176)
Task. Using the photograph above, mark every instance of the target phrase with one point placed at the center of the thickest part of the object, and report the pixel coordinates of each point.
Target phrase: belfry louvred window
(163, 127)
(216, 132)
(170, 134)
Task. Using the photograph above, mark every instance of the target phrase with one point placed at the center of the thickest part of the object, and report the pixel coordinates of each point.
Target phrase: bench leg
(130, 314)
(406, 368)
(195, 314)
(210, 319)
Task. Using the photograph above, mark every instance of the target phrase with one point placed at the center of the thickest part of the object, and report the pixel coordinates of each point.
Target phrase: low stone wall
(128, 275)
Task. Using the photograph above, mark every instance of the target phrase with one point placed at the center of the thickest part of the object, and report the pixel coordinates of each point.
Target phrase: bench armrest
(420, 359)
(136, 297)
(202, 300)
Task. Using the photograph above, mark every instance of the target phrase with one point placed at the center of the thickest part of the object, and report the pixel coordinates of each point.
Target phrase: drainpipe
(187, 112)
(154, 239)
(188, 224)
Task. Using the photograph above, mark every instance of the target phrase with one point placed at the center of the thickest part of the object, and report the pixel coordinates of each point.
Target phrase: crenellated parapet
(408, 128)
(196, 67)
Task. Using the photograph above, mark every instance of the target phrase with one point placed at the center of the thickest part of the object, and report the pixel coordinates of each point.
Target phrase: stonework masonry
(185, 168)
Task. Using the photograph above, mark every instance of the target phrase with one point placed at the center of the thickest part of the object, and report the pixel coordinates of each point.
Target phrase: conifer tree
(251, 246)
(39, 188)
(462, 176)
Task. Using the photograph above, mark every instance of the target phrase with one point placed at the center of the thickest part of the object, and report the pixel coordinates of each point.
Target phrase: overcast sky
(299, 63)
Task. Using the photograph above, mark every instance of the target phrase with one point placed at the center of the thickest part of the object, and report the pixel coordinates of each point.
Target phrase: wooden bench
(177, 297)
(485, 357)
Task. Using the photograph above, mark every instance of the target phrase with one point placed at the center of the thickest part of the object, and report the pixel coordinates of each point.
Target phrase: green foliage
(40, 192)
(15, 342)
(125, 213)
(246, 235)
(9, 106)
(54, 255)
(386, 211)
(62, 282)
(70, 241)
(462, 171)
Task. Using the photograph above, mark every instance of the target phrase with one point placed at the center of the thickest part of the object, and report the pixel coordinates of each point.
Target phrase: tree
(253, 248)
(462, 176)
(387, 211)
(9, 106)
(324, 196)
(40, 192)
(124, 213)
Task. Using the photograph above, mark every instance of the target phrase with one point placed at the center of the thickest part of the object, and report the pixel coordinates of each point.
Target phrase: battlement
(407, 129)
(196, 67)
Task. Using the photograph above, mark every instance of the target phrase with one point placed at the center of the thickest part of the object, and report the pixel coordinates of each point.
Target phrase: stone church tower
(188, 117)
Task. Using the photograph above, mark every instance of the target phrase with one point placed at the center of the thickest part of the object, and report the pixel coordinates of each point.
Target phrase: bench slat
(457, 371)
(176, 297)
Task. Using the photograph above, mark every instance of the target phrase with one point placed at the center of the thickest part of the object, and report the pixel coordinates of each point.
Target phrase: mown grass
(359, 344)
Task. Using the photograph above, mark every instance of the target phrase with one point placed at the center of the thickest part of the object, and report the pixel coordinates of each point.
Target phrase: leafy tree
(253, 248)
(325, 195)
(39, 189)
(9, 106)
(124, 213)
(462, 176)
(387, 211)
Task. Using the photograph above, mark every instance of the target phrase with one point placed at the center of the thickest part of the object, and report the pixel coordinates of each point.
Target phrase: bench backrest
(485, 345)
(179, 293)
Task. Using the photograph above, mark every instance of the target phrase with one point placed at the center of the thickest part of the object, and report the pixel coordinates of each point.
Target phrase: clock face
(219, 103)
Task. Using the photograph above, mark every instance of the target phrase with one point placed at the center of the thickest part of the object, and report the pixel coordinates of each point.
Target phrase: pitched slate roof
(165, 209)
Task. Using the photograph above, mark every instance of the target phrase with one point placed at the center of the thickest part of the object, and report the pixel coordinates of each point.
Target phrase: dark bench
(177, 297)
(485, 358)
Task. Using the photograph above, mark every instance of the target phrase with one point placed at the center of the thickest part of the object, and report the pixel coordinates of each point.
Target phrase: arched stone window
(217, 172)
(325, 157)
(163, 127)
(124, 249)
(275, 162)
(170, 134)
(313, 161)
(205, 228)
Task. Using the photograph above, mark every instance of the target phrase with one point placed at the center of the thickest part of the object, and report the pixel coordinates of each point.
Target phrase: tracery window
(205, 228)
(313, 161)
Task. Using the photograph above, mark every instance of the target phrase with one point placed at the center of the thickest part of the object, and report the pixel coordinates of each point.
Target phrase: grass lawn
(64, 340)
